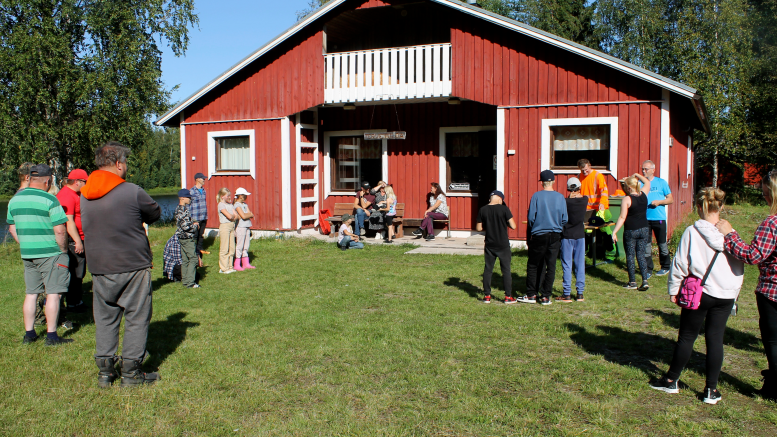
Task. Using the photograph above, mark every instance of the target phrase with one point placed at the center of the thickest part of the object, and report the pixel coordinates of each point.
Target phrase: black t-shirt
(575, 227)
(636, 217)
(494, 219)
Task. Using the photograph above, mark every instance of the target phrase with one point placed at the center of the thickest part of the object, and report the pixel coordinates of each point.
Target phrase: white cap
(574, 183)
(240, 191)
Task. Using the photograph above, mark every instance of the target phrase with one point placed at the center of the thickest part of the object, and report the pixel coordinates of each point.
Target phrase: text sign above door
(399, 135)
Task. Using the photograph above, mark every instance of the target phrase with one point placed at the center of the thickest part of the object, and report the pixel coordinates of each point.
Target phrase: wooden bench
(416, 222)
(348, 208)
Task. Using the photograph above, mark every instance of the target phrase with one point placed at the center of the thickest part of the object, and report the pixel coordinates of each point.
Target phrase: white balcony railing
(389, 74)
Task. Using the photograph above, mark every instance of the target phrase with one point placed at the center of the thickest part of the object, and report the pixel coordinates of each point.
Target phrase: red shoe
(510, 300)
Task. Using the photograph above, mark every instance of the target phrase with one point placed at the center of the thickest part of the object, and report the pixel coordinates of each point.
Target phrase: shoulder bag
(692, 287)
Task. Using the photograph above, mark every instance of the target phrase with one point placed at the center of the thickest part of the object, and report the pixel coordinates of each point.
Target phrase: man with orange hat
(70, 199)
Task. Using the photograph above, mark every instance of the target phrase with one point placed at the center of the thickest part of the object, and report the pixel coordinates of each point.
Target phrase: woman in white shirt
(695, 256)
(438, 210)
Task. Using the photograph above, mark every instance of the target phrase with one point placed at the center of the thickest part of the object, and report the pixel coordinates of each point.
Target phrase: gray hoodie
(694, 254)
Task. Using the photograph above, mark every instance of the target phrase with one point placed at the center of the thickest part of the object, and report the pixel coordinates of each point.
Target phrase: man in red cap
(70, 199)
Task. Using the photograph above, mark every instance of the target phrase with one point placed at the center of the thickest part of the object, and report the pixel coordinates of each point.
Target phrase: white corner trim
(689, 163)
(500, 150)
(443, 167)
(665, 136)
(231, 133)
(286, 173)
(298, 169)
(545, 145)
(328, 160)
(184, 162)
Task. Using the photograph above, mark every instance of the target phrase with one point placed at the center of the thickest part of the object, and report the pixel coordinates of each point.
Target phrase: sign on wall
(399, 135)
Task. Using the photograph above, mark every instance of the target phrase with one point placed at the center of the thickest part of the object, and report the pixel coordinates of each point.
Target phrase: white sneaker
(228, 271)
(378, 236)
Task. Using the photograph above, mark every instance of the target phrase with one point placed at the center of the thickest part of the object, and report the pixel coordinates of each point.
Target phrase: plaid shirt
(171, 256)
(762, 251)
(198, 207)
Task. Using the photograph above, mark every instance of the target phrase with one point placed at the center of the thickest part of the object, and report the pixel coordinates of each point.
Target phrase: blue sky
(229, 30)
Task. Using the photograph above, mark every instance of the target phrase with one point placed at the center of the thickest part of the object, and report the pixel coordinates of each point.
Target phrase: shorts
(50, 275)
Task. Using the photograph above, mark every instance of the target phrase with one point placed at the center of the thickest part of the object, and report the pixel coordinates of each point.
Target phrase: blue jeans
(347, 242)
(573, 257)
(358, 224)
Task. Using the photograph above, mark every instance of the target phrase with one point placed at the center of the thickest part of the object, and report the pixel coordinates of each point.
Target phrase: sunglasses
(646, 169)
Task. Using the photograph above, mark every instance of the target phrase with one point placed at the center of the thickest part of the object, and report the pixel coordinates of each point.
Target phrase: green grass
(164, 191)
(316, 341)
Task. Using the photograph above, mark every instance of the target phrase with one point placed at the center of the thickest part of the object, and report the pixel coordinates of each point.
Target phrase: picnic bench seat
(348, 208)
(416, 222)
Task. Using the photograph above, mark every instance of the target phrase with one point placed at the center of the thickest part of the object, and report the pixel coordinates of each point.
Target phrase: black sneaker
(564, 298)
(644, 286)
(510, 300)
(664, 385)
(430, 237)
(487, 299)
(545, 301)
(58, 341)
(30, 340)
(418, 232)
(630, 286)
(580, 297)
(711, 396)
(527, 299)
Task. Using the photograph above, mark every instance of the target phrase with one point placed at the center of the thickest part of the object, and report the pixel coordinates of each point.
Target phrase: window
(574, 142)
(566, 140)
(355, 160)
(468, 160)
(232, 154)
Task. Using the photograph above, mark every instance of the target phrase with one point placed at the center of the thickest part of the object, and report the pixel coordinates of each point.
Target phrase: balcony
(402, 73)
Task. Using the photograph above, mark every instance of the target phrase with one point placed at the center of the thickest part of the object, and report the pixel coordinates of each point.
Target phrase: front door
(487, 165)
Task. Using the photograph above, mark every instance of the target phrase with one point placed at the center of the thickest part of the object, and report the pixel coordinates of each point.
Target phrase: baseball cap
(183, 192)
(547, 176)
(242, 190)
(40, 170)
(498, 193)
(346, 217)
(199, 176)
(78, 174)
(573, 183)
(366, 185)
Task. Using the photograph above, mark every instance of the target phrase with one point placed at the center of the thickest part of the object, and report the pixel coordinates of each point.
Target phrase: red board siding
(265, 199)
(678, 166)
(285, 81)
(412, 163)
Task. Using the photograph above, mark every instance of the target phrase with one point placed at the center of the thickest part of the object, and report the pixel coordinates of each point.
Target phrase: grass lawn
(317, 341)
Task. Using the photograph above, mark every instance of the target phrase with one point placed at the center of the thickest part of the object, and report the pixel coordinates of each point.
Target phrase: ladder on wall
(310, 168)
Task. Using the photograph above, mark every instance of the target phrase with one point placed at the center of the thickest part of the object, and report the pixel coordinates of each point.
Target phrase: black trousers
(505, 256)
(713, 312)
(767, 310)
(541, 267)
(200, 235)
(658, 228)
(77, 267)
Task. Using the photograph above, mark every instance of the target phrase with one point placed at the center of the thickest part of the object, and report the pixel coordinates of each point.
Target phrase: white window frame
(545, 145)
(328, 163)
(231, 133)
(443, 169)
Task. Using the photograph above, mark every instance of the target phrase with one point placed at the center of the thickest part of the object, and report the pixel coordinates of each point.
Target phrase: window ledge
(455, 194)
(565, 171)
(231, 173)
(342, 193)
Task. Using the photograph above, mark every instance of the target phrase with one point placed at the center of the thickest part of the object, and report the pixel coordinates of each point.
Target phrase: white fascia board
(239, 66)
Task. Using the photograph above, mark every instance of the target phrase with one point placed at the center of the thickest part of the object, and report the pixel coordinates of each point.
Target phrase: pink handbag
(692, 287)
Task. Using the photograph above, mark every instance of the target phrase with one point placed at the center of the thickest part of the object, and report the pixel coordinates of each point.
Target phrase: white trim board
(231, 133)
(184, 162)
(286, 173)
(443, 168)
(545, 145)
(328, 160)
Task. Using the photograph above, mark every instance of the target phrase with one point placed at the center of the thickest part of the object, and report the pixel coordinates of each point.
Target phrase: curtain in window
(234, 153)
(581, 137)
(463, 145)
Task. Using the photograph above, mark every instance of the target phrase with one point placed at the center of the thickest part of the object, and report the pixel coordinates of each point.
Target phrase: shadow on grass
(598, 273)
(164, 337)
(476, 292)
(732, 337)
(638, 349)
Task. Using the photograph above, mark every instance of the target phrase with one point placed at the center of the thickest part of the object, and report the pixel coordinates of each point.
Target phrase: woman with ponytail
(700, 251)
(636, 230)
(227, 218)
(762, 251)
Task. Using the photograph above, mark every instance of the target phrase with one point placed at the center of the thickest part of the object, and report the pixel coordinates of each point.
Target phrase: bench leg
(400, 231)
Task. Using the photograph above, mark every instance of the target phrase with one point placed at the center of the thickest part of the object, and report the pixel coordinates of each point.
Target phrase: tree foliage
(311, 7)
(75, 73)
(157, 162)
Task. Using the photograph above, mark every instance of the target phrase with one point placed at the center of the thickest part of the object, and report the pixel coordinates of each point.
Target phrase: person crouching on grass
(226, 230)
(242, 230)
(346, 239)
(187, 231)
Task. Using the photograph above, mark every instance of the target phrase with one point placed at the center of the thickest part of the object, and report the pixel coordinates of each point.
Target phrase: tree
(75, 73)
(312, 6)
(157, 162)
(762, 111)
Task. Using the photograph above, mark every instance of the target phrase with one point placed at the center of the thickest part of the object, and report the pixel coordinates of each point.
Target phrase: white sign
(458, 186)
(399, 135)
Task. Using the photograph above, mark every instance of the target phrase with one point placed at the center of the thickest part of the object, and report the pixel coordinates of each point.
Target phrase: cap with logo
(184, 193)
(242, 190)
(40, 170)
(573, 183)
(366, 185)
(547, 176)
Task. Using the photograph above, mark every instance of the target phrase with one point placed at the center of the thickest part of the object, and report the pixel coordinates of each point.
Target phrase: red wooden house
(486, 102)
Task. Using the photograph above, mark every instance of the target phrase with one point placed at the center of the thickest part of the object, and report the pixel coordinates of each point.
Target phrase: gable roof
(532, 32)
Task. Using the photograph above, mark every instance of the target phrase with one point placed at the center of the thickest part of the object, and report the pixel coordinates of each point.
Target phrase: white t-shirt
(443, 208)
(230, 209)
(240, 222)
(341, 233)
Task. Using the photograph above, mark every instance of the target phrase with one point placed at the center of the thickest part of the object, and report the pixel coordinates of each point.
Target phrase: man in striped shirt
(37, 222)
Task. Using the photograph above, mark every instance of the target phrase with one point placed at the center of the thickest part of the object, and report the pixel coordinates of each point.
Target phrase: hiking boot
(769, 389)
(630, 286)
(644, 286)
(58, 341)
(580, 297)
(662, 272)
(545, 300)
(509, 300)
(487, 299)
(131, 375)
(107, 373)
(711, 396)
(527, 299)
(564, 298)
(30, 340)
(664, 385)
